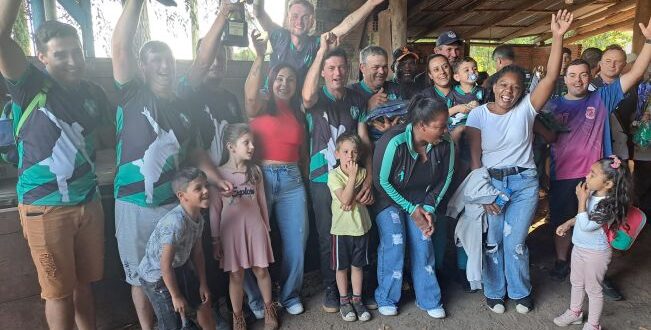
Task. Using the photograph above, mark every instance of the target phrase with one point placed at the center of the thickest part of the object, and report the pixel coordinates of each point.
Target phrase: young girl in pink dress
(240, 227)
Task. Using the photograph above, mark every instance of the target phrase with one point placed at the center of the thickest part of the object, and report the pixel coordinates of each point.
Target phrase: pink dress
(242, 223)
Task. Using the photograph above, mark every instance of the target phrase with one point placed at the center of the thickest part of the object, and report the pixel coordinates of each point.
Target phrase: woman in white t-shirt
(500, 135)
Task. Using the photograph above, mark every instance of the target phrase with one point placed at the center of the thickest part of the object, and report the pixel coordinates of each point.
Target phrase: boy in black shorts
(350, 225)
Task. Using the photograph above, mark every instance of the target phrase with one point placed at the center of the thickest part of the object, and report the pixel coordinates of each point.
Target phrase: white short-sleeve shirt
(505, 139)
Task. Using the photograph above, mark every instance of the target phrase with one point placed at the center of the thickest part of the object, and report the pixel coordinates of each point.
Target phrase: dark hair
(615, 205)
(184, 176)
(349, 136)
(579, 61)
(53, 29)
(304, 3)
(457, 64)
(592, 56)
(515, 69)
(294, 102)
(424, 109)
(432, 57)
(153, 46)
(504, 51)
(232, 133)
(337, 52)
(567, 51)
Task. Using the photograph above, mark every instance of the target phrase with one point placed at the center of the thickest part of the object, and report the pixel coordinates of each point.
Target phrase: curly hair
(615, 206)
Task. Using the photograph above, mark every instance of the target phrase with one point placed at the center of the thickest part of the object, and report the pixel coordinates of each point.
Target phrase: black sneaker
(496, 305)
(369, 302)
(524, 305)
(610, 292)
(331, 300)
(560, 271)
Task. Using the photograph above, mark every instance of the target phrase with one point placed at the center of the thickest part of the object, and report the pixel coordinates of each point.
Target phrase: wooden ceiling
(504, 20)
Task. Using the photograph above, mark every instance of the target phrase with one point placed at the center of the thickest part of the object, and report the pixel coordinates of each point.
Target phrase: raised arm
(559, 25)
(356, 17)
(124, 57)
(209, 47)
(264, 19)
(631, 78)
(12, 58)
(311, 84)
(253, 102)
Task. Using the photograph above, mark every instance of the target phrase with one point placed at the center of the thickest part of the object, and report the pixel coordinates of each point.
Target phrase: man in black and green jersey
(374, 86)
(59, 204)
(156, 131)
(293, 44)
(331, 110)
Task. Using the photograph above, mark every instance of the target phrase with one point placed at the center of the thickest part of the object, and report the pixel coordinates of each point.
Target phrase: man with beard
(404, 67)
(586, 113)
(448, 44)
(156, 131)
(331, 110)
(376, 90)
(293, 44)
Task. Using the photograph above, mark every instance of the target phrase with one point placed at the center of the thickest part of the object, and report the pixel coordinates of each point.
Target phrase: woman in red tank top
(279, 130)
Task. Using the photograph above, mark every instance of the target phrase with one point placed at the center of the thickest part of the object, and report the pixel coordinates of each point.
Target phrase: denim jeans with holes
(506, 259)
(398, 233)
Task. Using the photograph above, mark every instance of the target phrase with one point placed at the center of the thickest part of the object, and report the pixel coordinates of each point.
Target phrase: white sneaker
(259, 314)
(437, 313)
(295, 309)
(388, 310)
(522, 309)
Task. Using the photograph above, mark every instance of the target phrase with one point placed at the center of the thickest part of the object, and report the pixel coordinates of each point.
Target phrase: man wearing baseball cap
(405, 69)
(448, 44)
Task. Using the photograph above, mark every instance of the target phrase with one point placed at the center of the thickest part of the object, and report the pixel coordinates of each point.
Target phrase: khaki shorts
(66, 243)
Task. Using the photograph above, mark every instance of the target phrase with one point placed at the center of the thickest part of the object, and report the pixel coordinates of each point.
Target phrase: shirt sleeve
(169, 229)
(335, 181)
(475, 118)
(24, 89)
(386, 167)
(436, 194)
(611, 95)
(584, 223)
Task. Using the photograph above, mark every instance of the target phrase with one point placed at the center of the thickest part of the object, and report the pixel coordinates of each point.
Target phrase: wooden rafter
(449, 18)
(420, 7)
(614, 19)
(542, 21)
(617, 26)
(594, 16)
(502, 17)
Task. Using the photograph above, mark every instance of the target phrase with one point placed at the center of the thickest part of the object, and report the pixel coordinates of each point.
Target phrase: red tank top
(278, 137)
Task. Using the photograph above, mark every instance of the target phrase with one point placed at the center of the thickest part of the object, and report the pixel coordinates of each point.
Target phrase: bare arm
(547, 134)
(123, 57)
(356, 17)
(205, 164)
(365, 195)
(13, 63)
(166, 258)
(346, 195)
(311, 84)
(253, 103)
(631, 78)
(474, 140)
(200, 268)
(264, 19)
(559, 25)
(209, 46)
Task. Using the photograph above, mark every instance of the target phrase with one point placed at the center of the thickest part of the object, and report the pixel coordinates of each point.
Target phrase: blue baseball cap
(447, 38)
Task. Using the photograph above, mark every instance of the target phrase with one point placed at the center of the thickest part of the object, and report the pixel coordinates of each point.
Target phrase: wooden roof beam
(500, 18)
(432, 27)
(609, 14)
(420, 7)
(544, 21)
(625, 25)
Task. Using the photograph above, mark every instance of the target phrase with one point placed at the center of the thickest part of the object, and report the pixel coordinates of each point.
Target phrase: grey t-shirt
(176, 228)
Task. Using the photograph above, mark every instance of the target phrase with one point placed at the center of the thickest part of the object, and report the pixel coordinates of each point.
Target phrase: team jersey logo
(354, 112)
(590, 112)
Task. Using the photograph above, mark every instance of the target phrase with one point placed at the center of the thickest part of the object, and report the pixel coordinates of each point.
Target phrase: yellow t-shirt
(355, 222)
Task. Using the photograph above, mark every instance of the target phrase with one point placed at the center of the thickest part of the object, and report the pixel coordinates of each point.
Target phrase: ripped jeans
(398, 233)
(506, 260)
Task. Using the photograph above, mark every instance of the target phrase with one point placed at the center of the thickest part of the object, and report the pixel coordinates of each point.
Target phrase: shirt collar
(409, 131)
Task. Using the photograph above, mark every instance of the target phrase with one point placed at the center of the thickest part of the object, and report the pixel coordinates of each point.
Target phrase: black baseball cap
(448, 38)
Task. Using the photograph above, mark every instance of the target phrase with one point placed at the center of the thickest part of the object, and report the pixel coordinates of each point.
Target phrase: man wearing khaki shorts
(59, 203)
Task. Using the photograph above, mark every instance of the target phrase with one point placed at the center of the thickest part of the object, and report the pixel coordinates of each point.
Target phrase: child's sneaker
(496, 305)
(524, 305)
(588, 326)
(388, 310)
(570, 317)
(361, 310)
(347, 312)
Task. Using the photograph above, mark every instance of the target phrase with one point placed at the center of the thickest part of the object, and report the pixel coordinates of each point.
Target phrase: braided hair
(616, 204)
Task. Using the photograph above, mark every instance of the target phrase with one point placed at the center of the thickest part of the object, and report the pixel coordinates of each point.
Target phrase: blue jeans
(506, 261)
(396, 228)
(286, 202)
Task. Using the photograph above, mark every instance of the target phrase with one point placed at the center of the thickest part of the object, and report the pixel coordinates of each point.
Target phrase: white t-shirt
(505, 139)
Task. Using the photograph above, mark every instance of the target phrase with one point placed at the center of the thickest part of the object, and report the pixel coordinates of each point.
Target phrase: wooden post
(384, 30)
(50, 10)
(398, 9)
(642, 14)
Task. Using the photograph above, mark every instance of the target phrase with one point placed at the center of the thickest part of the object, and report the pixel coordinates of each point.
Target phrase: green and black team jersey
(390, 88)
(460, 97)
(153, 138)
(56, 150)
(435, 93)
(326, 120)
(285, 52)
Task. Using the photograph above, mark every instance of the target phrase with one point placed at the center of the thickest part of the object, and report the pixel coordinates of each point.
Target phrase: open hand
(259, 42)
(365, 195)
(561, 22)
(329, 41)
(646, 30)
